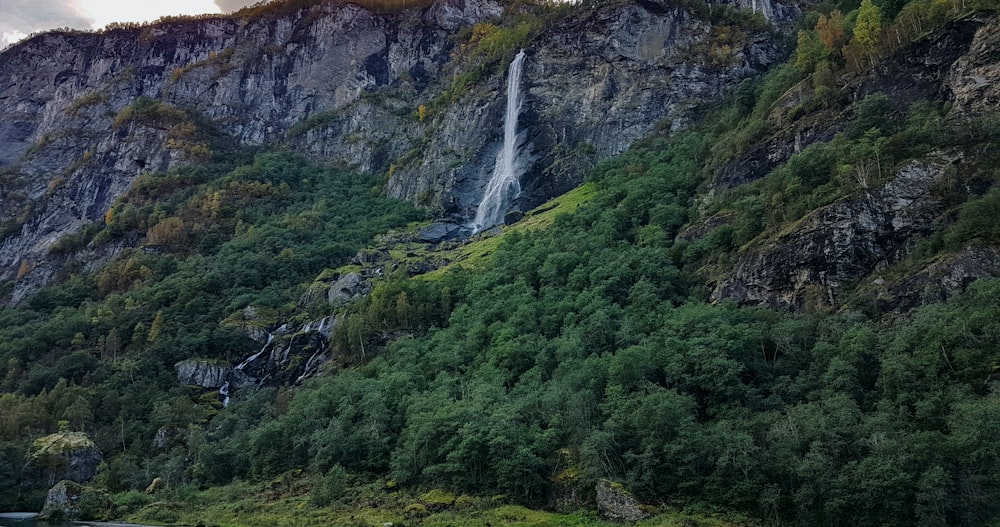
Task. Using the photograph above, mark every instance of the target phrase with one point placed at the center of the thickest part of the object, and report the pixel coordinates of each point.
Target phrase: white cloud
(103, 12)
(22, 17)
(19, 18)
(11, 37)
(228, 6)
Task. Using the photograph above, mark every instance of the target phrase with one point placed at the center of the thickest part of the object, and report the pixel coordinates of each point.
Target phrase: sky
(19, 18)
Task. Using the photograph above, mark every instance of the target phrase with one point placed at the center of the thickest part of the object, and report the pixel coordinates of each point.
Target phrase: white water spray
(504, 185)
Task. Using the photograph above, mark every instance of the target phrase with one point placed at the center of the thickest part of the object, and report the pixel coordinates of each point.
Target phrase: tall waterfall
(504, 186)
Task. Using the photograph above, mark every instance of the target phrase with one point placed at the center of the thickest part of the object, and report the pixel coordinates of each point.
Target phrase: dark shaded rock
(512, 217)
(769, 154)
(288, 359)
(62, 456)
(809, 263)
(921, 70)
(957, 63)
(439, 232)
(617, 504)
(70, 501)
(946, 275)
(205, 373)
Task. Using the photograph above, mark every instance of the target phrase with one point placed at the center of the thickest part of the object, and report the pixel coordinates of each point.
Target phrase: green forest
(588, 350)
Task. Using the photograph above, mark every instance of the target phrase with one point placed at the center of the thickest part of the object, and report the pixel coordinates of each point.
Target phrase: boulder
(512, 216)
(202, 372)
(346, 288)
(62, 456)
(439, 232)
(167, 436)
(71, 501)
(617, 504)
(155, 486)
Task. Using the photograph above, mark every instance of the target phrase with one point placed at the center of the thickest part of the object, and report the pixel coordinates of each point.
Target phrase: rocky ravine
(339, 82)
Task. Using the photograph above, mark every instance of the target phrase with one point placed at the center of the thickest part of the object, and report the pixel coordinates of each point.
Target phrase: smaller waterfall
(504, 185)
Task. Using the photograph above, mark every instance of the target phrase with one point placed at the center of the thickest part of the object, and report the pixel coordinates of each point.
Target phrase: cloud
(21, 17)
(228, 6)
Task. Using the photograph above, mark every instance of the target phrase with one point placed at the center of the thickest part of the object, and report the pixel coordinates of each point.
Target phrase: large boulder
(71, 501)
(202, 372)
(63, 456)
(617, 504)
(348, 287)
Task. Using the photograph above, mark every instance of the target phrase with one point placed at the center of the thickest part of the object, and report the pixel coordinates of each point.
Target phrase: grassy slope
(282, 504)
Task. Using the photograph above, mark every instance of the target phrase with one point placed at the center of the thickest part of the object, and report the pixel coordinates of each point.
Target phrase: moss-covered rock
(64, 455)
(437, 500)
(71, 501)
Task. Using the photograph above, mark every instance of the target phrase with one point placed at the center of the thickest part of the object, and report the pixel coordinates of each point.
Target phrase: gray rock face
(202, 372)
(839, 243)
(339, 82)
(974, 79)
(69, 501)
(348, 287)
(592, 84)
(617, 504)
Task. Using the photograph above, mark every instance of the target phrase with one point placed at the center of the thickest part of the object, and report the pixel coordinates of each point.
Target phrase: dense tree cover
(590, 338)
(98, 349)
(585, 349)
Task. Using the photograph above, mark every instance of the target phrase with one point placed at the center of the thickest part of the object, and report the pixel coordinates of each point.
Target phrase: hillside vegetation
(573, 348)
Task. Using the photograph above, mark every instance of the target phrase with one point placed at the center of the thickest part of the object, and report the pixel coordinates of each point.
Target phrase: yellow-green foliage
(86, 100)
(149, 111)
(60, 443)
(437, 499)
(249, 505)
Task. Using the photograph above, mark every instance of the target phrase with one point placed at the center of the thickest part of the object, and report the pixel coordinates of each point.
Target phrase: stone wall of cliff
(341, 83)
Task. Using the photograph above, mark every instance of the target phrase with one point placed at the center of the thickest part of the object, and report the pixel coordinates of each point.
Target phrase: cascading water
(504, 185)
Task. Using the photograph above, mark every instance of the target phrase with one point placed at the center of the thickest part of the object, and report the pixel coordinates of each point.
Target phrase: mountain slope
(269, 326)
(89, 113)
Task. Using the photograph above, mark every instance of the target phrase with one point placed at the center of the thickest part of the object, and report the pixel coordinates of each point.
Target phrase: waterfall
(503, 186)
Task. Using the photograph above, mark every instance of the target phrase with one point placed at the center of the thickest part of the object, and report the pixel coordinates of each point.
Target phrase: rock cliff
(86, 113)
(849, 245)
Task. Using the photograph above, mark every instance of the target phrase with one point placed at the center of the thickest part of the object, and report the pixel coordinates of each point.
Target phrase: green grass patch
(476, 251)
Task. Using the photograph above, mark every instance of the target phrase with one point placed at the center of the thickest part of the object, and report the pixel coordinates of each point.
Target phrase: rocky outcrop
(617, 504)
(62, 456)
(957, 63)
(205, 373)
(288, 358)
(934, 282)
(974, 79)
(347, 288)
(810, 262)
(337, 81)
(69, 501)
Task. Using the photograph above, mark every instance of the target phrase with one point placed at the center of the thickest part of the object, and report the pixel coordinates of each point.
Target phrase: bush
(331, 487)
